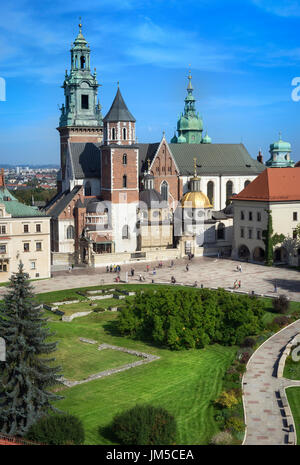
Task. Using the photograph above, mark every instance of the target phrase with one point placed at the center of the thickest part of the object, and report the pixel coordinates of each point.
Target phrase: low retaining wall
(147, 358)
(75, 315)
(285, 354)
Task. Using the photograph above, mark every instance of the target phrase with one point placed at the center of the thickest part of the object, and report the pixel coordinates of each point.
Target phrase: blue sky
(243, 56)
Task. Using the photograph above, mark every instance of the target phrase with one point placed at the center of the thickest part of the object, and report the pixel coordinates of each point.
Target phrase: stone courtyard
(211, 272)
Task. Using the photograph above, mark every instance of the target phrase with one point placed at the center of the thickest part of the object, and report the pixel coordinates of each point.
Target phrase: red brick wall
(115, 156)
(164, 169)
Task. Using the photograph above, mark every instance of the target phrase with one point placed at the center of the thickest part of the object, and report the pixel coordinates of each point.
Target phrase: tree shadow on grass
(107, 433)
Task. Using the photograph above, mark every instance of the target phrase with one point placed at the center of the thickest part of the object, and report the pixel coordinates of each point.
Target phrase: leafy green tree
(25, 377)
(270, 240)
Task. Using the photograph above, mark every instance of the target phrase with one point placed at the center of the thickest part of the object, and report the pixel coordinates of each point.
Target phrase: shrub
(281, 320)
(245, 356)
(221, 439)
(281, 304)
(235, 424)
(57, 430)
(248, 342)
(145, 425)
(189, 319)
(227, 399)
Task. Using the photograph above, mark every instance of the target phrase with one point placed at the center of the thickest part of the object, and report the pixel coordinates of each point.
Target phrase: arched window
(87, 189)
(125, 159)
(164, 190)
(246, 183)
(125, 232)
(113, 133)
(210, 192)
(124, 180)
(70, 232)
(124, 134)
(82, 62)
(229, 189)
(221, 231)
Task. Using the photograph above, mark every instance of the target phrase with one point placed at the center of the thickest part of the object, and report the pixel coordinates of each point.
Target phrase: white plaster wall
(124, 214)
(65, 245)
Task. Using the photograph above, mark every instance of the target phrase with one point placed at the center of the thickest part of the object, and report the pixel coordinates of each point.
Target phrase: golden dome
(195, 200)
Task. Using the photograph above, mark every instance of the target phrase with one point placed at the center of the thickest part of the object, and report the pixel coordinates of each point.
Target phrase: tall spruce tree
(25, 377)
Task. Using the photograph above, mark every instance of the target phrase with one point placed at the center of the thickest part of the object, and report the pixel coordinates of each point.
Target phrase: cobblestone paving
(210, 272)
(265, 421)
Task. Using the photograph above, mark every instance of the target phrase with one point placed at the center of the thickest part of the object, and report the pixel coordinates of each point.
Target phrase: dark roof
(62, 202)
(85, 159)
(119, 111)
(215, 159)
(146, 152)
(152, 199)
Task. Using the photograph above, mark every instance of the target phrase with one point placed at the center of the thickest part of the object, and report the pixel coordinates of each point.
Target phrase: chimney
(260, 157)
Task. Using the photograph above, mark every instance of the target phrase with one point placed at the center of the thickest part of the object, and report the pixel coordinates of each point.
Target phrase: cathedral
(119, 200)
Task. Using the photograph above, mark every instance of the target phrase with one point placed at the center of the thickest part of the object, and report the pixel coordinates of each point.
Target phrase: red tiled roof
(273, 185)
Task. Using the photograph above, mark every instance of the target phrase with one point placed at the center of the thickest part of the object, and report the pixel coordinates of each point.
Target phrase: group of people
(237, 284)
(113, 269)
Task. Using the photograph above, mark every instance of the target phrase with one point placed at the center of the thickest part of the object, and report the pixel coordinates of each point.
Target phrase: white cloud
(284, 8)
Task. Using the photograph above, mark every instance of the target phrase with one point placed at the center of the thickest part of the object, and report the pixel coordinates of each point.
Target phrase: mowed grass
(185, 382)
(293, 395)
(80, 360)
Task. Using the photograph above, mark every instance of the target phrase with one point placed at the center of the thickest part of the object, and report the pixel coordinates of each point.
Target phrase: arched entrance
(258, 254)
(280, 255)
(243, 252)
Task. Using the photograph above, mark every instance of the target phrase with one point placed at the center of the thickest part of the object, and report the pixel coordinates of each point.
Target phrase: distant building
(24, 236)
(275, 190)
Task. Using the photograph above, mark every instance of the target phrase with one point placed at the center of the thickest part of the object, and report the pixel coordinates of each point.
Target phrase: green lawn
(184, 382)
(291, 369)
(293, 395)
(79, 360)
(86, 305)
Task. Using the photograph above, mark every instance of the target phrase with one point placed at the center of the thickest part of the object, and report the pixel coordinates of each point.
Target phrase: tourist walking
(187, 267)
(275, 287)
(240, 283)
(148, 268)
(240, 268)
(173, 280)
(132, 272)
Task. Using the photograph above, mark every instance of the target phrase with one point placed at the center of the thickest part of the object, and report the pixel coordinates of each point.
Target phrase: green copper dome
(280, 155)
(181, 139)
(280, 146)
(206, 139)
(189, 125)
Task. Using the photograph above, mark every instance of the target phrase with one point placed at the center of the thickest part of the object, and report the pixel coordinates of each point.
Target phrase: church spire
(189, 125)
(80, 86)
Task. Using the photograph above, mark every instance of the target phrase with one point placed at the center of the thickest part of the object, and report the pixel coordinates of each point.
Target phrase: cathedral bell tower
(81, 118)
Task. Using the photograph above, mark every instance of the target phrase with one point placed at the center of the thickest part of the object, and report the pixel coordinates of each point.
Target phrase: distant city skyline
(242, 69)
